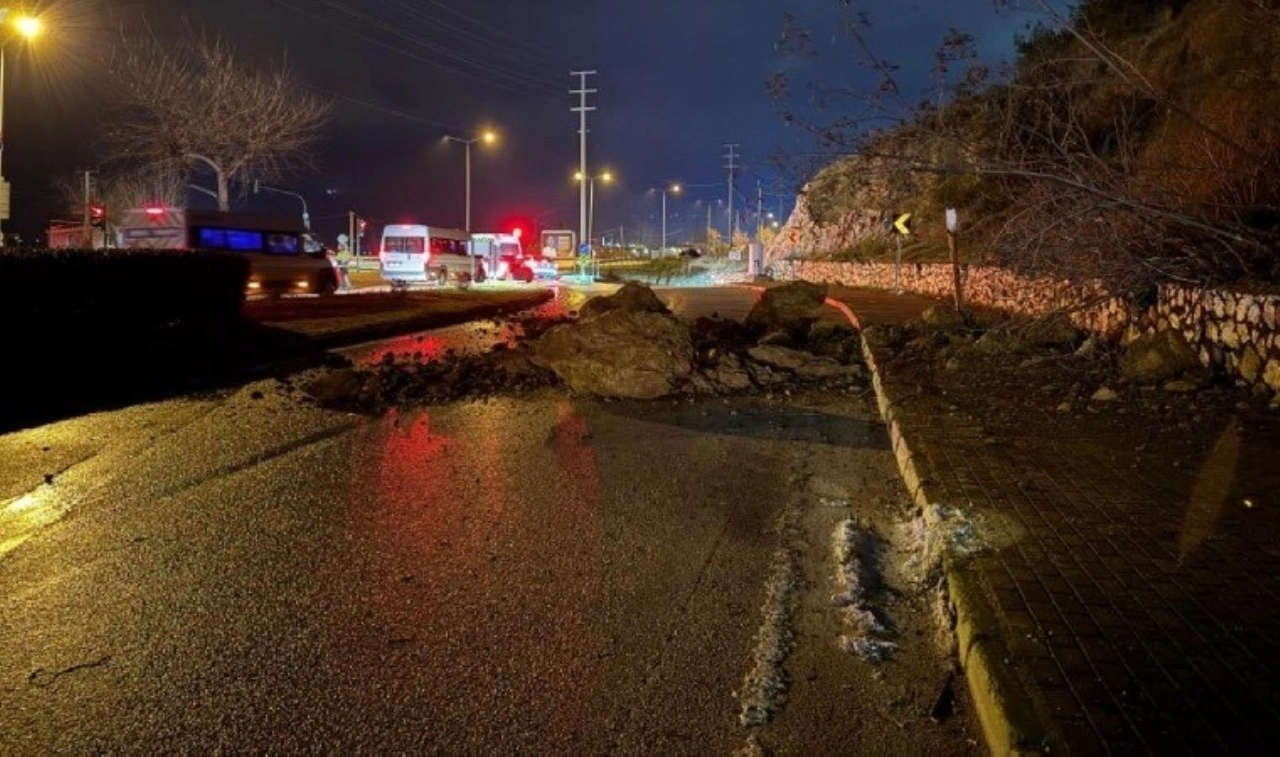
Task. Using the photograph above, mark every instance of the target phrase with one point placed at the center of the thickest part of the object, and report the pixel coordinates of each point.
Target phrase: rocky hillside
(1155, 124)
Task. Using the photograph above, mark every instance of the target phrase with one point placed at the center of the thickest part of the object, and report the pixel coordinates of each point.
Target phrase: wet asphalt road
(523, 574)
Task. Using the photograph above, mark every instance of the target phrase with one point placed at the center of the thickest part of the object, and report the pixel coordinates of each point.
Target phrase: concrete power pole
(732, 166)
(87, 231)
(582, 110)
(759, 210)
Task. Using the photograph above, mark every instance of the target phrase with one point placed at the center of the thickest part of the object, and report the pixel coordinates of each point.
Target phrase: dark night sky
(677, 80)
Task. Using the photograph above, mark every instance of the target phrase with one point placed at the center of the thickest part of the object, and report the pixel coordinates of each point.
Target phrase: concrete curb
(1009, 721)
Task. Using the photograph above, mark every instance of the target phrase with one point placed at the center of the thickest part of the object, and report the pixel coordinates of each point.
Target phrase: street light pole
(589, 184)
(674, 189)
(488, 138)
(260, 187)
(28, 27)
(591, 209)
(664, 222)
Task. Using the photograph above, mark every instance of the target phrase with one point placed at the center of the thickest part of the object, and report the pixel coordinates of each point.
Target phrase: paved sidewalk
(1133, 598)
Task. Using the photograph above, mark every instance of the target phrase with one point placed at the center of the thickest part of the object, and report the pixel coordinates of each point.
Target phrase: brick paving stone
(1142, 623)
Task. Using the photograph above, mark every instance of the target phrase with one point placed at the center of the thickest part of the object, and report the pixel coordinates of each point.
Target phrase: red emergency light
(517, 232)
(153, 211)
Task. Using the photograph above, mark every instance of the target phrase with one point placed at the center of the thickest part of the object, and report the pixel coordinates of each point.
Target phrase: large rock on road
(789, 309)
(632, 297)
(632, 354)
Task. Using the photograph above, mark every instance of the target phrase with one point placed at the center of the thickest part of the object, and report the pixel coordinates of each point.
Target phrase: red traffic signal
(97, 214)
(363, 226)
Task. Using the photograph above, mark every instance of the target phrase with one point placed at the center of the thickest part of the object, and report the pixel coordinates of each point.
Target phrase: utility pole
(87, 234)
(582, 109)
(354, 245)
(708, 227)
(759, 210)
(732, 165)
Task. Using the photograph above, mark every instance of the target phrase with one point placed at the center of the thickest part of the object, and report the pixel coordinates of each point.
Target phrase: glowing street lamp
(605, 177)
(28, 28)
(488, 137)
(673, 189)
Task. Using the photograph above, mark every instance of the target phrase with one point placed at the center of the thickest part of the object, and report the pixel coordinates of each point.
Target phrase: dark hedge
(139, 292)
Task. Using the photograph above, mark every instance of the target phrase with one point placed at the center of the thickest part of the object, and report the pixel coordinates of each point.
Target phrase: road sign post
(952, 225)
(900, 225)
(897, 268)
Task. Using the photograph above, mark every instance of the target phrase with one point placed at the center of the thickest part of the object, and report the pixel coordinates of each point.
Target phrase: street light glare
(28, 26)
(577, 176)
(675, 188)
(489, 137)
(606, 177)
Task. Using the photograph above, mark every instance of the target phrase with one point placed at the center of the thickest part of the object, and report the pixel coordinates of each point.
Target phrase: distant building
(70, 235)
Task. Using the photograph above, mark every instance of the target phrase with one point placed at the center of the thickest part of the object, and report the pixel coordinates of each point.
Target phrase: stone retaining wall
(1233, 332)
(1236, 332)
(983, 285)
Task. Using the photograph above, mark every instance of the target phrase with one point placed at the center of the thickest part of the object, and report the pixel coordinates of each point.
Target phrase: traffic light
(97, 215)
(362, 227)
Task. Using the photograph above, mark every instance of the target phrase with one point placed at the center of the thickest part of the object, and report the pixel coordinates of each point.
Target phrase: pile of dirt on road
(627, 346)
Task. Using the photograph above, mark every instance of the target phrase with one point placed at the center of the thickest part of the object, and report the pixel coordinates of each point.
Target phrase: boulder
(718, 334)
(1090, 347)
(834, 339)
(619, 353)
(336, 387)
(1105, 394)
(632, 298)
(791, 308)
(1053, 331)
(942, 317)
(999, 342)
(777, 338)
(886, 336)
(515, 368)
(1157, 357)
(827, 330)
(777, 356)
(730, 374)
(803, 364)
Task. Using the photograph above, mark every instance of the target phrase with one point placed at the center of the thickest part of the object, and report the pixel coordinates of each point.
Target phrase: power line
(518, 77)
(384, 109)
(482, 38)
(550, 54)
(513, 88)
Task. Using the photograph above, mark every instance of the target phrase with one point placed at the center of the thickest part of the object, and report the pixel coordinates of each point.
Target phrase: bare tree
(197, 110)
(123, 190)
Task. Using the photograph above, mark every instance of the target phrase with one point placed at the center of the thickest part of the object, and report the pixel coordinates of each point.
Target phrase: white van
(414, 253)
(283, 259)
(503, 256)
